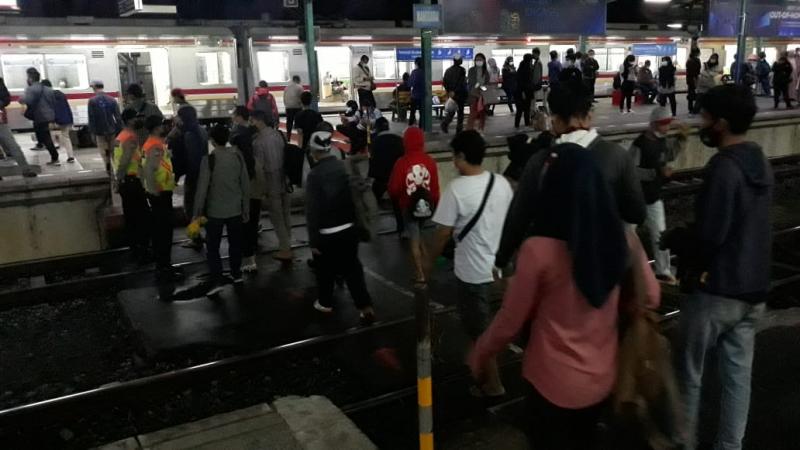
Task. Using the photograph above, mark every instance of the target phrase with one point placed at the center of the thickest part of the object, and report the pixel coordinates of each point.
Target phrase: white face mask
(663, 64)
(479, 63)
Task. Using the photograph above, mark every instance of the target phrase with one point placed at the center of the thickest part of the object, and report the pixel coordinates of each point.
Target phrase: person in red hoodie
(263, 100)
(414, 187)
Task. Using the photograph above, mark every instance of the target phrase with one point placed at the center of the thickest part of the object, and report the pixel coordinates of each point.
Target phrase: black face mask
(710, 137)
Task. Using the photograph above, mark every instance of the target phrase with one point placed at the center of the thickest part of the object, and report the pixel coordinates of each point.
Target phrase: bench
(400, 105)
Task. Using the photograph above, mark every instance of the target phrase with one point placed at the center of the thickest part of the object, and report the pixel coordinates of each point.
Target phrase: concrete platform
(291, 423)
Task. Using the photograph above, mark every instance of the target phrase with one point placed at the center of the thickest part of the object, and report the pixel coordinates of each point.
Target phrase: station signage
(437, 53)
(129, 7)
(518, 17)
(765, 18)
(427, 16)
(654, 49)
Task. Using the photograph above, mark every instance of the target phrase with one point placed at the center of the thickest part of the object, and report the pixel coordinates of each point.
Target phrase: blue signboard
(517, 17)
(428, 16)
(765, 18)
(654, 49)
(437, 53)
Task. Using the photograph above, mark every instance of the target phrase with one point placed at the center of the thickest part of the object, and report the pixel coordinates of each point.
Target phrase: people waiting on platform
(188, 142)
(509, 80)
(136, 100)
(241, 138)
(782, 80)
(63, 122)
(292, 103)
(263, 100)
(39, 105)
(525, 92)
(306, 122)
(159, 182)
(417, 83)
(7, 142)
(127, 171)
(566, 296)
(666, 85)
(628, 74)
(590, 67)
(553, 68)
(731, 277)
(571, 73)
(223, 198)
(105, 120)
(572, 123)
(693, 68)
(648, 86)
(652, 151)
(471, 212)
(710, 77)
(268, 148)
(454, 82)
(763, 70)
(386, 150)
(748, 76)
(414, 187)
(478, 78)
(364, 82)
(332, 234)
(405, 83)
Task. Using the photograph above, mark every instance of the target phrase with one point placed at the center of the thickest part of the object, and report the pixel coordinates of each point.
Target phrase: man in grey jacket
(41, 101)
(571, 104)
(268, 146)
(291, 101)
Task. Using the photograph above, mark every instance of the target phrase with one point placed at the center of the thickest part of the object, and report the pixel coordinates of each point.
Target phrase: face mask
(713, 63)
(663, 64)
(710, 137)
(479, 63)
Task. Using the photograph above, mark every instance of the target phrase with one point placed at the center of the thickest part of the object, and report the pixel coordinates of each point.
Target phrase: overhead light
(657, 1)
(356, 38)
(675, 26)
(282, 38)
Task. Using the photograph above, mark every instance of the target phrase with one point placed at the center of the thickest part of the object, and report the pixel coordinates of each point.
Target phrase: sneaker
(367, 318)
(193, 244)
(323, 309)
(70, 160)
(238, 280)
(54, 163)
(249, 265)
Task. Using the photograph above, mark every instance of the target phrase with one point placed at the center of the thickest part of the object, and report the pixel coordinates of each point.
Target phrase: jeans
(42, 131)
(765, 86)
(416, 105)
(555, 428)
(662, 100)
(281, 217)
(709, 321)
(161, 209)
(656, 223)
(250, 230)
(473, 307)
(290, 115)
(627, 94)
(136, 213)
(339, 257)
(214, 228)
(11, 147)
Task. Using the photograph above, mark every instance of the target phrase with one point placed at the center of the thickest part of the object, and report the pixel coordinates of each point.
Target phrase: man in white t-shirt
(487, 196)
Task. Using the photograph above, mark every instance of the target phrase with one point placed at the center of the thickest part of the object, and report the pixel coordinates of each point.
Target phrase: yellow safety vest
(136, 158)
(165, 176)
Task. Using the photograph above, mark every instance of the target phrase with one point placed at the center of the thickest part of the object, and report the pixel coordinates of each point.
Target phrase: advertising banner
(765, 18)
(516, 17)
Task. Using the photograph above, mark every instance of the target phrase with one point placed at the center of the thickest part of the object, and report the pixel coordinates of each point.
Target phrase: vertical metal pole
(244, 62)
(424, 379)
(311, 52)
(427, 102)
(741, 43)
(582, 44)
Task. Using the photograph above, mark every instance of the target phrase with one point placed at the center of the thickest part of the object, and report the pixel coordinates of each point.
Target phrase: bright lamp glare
(657, 1)
(675, 26)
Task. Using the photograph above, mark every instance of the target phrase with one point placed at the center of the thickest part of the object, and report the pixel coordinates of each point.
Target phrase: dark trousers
(524, 99)
(555, 428)
(161, 226)
(379, 188)
(765, 87)
(649, 92)
(416, 105)
(136, 212)
(214, 228)
(782, 89)
(589, 83)
(250, 240)
(339, 258)
(662, 100)
(461, 102)
(364, 96)
(189, 191)
(42, 131)
(509, 99)
(691, 98)
(627, 95)
(290, 115)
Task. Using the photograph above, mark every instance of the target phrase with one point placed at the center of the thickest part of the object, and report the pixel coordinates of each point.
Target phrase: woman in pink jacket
(566, 292)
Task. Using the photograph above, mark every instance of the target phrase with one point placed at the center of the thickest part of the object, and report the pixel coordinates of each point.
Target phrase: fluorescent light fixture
(675, 26)
(657, 1)
(282, 37)
(356, 38)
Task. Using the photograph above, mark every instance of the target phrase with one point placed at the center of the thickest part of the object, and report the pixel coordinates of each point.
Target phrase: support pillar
(741, 42)
(244, 63)
(583, 44)
(427, 68)
(311, 52)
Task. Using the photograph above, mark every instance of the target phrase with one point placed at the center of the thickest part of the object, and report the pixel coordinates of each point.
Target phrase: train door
(335, 77)
(150, 69)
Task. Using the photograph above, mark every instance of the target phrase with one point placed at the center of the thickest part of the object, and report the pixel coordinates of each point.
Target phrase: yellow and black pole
(424, 378)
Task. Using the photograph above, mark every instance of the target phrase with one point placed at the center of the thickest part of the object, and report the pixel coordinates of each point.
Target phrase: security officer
(159, 182)
(127, 164)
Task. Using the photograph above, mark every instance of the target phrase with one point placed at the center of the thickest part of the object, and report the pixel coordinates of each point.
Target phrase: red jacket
(264, 94)
(415, 168)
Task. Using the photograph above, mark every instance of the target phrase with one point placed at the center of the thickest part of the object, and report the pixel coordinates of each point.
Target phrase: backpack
(293, 161)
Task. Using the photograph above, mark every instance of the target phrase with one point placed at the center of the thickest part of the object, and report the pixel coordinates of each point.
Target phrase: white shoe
(249, 265)
(323, 309)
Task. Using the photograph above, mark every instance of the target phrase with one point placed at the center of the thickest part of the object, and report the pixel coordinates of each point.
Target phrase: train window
(404, 67)
(705, 53)
(682, 57)
(214, 68)
(67, 71)
(384, 64)
(14, 67)
(616, 56)
(273, 66)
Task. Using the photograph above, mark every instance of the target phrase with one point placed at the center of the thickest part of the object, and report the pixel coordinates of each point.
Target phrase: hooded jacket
(415, 169)
(195, 142)
(733, 223)
(263, 100)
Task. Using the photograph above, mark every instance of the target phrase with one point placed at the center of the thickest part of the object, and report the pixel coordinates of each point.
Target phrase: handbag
(450, 247)
(372, 85)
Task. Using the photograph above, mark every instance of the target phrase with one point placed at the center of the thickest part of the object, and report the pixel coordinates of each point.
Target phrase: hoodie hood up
(414, 141)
